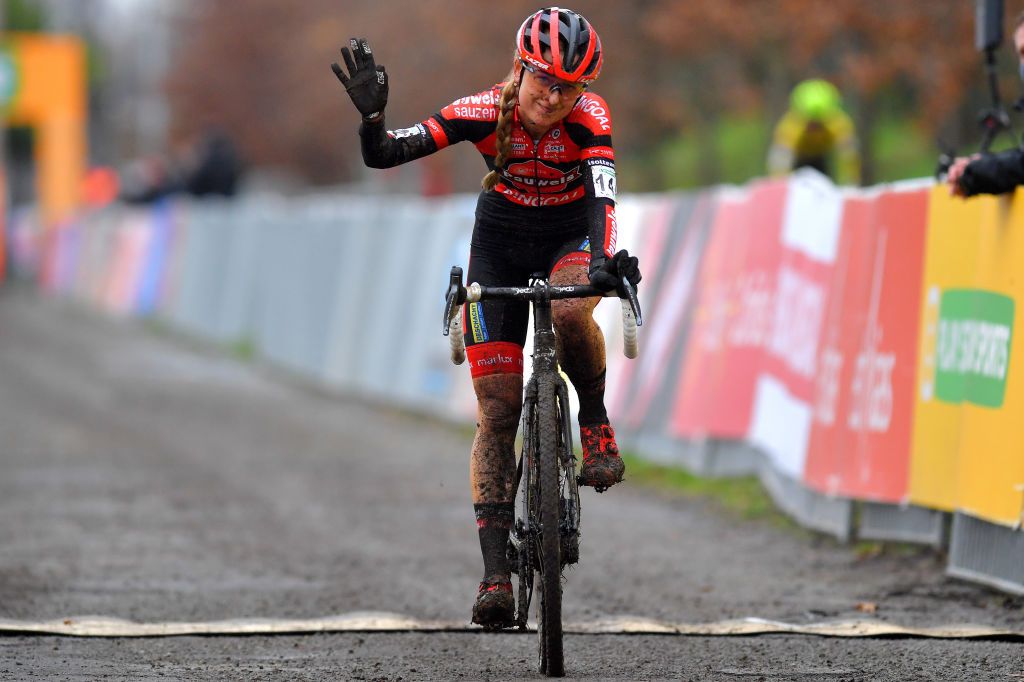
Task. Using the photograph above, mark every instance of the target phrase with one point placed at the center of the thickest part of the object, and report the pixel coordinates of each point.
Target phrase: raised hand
(366, 82)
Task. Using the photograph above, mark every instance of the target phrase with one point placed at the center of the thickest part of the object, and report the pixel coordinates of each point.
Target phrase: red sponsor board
(733, 315)
(798, 306)
(650, 232)
(864, 394)
(811, 228)
(669, 295)
(845, 317)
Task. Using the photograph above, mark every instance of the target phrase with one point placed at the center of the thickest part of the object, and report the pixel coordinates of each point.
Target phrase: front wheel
(549, 622)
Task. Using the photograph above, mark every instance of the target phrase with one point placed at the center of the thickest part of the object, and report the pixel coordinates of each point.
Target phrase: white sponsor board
(781, 426)
(813, 216)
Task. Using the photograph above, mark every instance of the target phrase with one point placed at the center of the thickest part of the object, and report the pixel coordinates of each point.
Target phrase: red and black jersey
(570, 171)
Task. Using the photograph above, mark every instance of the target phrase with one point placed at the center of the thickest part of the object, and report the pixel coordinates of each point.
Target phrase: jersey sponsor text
(476, 113)
(596, 110)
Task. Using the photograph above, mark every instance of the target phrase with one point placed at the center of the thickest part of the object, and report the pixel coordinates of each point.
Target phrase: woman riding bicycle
(548, 205)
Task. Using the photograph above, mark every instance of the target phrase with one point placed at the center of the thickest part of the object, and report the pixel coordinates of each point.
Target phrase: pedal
(512, 556)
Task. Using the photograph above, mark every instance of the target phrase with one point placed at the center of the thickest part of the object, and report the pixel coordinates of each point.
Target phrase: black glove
(606, 273)
(366, 83)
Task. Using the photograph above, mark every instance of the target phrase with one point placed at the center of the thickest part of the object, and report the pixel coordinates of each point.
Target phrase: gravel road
(150, 478)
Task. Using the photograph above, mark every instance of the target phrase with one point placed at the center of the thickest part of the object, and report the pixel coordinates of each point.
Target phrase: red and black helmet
(570, 40)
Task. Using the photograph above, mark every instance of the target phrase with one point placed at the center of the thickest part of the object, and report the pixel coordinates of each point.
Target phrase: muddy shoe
(602, 466)
(495, 605)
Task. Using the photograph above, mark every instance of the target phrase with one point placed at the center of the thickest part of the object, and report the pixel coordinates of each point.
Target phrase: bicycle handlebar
(457, 294)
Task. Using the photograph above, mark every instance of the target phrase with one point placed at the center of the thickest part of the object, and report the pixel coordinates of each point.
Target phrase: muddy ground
(150, 478)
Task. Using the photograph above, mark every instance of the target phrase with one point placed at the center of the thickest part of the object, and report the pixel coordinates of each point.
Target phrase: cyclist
(548, 204)
(992, 173)
(816, 132)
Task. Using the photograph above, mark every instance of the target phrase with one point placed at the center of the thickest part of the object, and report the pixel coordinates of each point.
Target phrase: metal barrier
(775, 344)
(987, 553)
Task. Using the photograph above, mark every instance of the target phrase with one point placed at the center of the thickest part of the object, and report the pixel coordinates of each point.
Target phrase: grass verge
(743, 497)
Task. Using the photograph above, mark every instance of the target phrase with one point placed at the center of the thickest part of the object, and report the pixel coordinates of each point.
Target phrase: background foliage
(695, 87)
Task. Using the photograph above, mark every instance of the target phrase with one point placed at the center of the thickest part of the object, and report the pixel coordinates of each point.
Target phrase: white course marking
(375, 621)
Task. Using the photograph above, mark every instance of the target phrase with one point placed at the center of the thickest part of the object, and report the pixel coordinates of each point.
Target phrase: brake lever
(454, 297)
(634, 302)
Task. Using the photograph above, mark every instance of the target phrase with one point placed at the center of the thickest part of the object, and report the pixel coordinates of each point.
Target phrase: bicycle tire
(549, 621)
(569, 524)
(523, 562)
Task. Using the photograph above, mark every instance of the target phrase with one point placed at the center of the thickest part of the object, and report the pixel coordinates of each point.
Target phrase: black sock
(591, 395)
(493, 522)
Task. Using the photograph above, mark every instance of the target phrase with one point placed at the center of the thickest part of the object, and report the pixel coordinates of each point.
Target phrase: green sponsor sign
(973, 347)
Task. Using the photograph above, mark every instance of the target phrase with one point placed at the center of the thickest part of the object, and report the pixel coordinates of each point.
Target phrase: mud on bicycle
(545, 534)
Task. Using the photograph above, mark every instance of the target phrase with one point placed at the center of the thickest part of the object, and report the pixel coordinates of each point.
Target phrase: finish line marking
(372, 621)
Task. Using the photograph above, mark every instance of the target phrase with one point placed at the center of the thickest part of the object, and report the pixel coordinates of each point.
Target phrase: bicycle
(545, 535)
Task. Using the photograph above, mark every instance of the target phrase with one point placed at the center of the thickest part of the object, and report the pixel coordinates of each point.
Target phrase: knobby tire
(525, 484)
(550, 565)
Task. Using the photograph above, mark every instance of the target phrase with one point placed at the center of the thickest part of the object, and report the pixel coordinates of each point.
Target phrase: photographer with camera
(991, 173)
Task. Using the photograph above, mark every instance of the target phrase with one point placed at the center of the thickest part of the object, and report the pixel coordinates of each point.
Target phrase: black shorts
(491, 321)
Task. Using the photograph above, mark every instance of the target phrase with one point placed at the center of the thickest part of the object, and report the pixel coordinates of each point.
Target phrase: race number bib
(604, 182)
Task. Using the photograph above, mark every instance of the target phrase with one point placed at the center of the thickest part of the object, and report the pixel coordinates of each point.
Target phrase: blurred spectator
(816, 132)
(991, 173)
(100, 186)
(148, 179)
(208, 167)
(217, 168)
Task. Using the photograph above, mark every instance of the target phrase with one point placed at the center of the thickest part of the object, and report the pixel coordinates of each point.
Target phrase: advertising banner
(161, 222)
(950, 265)
(863, 410)
(789, 327)
(732, 315)
(130, 247)
(978, 365)
(92, 260)
(864, 340)
(64, 252)
(675, 230)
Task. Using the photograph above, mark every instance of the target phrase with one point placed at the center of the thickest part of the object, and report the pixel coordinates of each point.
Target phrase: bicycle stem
(544, 356)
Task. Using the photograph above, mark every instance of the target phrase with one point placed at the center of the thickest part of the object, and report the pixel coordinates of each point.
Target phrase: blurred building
(130, 47)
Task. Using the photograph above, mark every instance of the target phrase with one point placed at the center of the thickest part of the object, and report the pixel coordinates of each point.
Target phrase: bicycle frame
(546, 475)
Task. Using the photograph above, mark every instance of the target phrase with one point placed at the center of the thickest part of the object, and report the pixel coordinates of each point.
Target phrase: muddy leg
(493, 465)
(580, 345)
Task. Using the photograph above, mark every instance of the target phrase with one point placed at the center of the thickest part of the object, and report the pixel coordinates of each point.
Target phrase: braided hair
(503, 131)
